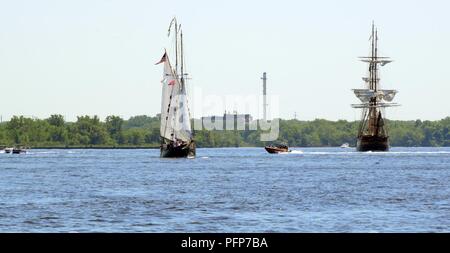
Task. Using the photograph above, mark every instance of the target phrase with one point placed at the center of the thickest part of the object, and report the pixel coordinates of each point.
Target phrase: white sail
(165, 98)
(366, 94)
(388, 95)
(378, 105)
(175, 120)
(182, 124)
(382, 62)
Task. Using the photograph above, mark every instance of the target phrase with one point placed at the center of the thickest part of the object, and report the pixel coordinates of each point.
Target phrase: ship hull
(183, 151)
(372, 143)
(275, 150)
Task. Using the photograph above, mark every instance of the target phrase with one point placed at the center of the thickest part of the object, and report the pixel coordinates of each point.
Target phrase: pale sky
(97, 57)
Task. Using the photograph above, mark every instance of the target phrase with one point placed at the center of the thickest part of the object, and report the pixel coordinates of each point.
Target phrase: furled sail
(366, 94)
(378, 105)
(382, 62)
(388, 95)
(175, 120)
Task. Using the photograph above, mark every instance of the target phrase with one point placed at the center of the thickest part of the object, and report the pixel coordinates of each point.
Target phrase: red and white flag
(163, 59)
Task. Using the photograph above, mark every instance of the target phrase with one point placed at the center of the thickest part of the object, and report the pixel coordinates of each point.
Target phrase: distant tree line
(143, 131)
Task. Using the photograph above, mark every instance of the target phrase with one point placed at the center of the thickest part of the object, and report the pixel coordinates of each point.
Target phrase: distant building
(229, 121)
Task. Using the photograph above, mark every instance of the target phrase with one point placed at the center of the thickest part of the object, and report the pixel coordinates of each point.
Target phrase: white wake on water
(292, 152)
(377, 153)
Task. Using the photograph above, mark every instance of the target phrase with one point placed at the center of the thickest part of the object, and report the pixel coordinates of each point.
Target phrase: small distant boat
(19, 150)
(8, 150)
(345, 145)
(279, 148)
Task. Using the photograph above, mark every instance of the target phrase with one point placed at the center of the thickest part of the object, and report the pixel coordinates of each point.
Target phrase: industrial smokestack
(264, 78)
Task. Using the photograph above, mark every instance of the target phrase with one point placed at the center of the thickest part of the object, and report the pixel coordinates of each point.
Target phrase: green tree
(114, 126)
(56, 120)
(91, 130)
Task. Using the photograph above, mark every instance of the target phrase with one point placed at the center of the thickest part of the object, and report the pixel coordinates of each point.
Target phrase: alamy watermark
(250, 116)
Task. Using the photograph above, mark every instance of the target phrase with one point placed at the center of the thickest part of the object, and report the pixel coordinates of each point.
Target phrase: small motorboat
(345, 145)
(279, 148)
(19, 150)
(8, 150)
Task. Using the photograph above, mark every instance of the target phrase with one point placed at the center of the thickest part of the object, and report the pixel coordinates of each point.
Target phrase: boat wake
(293, 152)
(413, 152)
(378, 153)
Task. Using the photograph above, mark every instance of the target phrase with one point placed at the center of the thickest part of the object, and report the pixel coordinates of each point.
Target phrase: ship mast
(181, 60)
(371, 65)
(374, 59)
(176, 45)
(175, 23)
(180, 74)
(373, 110)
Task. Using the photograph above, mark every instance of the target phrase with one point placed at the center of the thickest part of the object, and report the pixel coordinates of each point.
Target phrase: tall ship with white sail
(175, 131)
(372, 132)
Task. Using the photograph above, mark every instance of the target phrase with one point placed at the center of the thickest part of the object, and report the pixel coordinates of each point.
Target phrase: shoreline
(146, 147)
(93, 147)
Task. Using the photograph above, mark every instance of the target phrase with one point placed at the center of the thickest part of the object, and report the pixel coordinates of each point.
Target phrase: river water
(226, 190)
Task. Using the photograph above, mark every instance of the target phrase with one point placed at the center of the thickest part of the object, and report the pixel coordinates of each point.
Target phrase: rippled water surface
(226, 190)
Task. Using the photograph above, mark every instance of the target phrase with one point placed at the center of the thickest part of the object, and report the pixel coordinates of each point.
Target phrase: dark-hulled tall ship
(175, 130)
(372, 132)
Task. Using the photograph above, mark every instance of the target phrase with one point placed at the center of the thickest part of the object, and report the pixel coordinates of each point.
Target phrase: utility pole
(264, 78)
